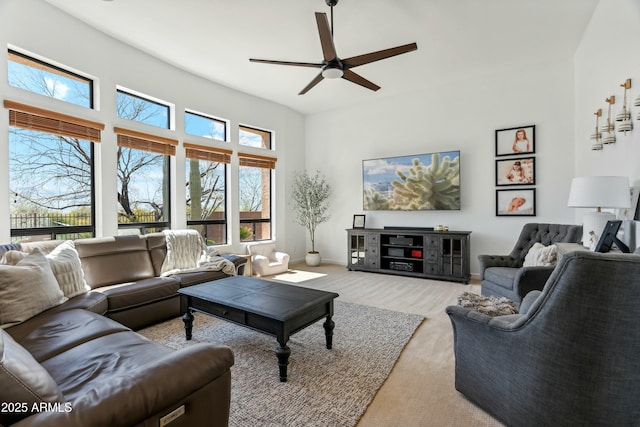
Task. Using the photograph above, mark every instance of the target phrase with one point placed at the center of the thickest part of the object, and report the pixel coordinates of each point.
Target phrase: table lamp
(598, 192)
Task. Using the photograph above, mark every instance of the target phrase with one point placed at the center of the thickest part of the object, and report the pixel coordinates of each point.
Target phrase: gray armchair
(571, 359)
(504, 275)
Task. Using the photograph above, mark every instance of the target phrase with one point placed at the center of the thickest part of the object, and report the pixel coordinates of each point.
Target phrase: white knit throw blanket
(187, 251)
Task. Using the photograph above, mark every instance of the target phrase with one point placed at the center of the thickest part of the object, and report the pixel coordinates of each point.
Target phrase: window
(143, 180)
(51, 174)
(39, 77)
(207, 127)
(143, 164)
(206, 178)
(142, 109)
(255, 196)
(251, 137)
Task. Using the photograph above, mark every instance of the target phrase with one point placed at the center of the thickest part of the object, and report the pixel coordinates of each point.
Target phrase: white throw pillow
(65, 264)
(27, 288)
(541, 255)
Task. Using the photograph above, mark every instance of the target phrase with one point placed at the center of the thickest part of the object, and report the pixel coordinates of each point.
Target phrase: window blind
(203, 152)
(34, 118)
(145, 141)
(256, 161)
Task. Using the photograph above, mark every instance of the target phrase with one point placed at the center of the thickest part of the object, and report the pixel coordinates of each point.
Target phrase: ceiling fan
(334, 67)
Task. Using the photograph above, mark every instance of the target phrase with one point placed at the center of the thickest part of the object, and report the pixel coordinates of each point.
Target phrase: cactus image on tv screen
(409, 183)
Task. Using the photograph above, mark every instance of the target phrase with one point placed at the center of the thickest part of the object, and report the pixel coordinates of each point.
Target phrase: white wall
(606, 57)
(39, 28)
(460, 116)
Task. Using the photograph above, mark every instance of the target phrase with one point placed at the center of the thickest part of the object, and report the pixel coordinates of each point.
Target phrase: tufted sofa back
(546, 234)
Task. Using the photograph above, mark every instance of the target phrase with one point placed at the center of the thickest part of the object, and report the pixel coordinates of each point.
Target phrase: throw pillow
(27, 288)
(66, 266)
(491, 306)
(24, 381)
(541, 255)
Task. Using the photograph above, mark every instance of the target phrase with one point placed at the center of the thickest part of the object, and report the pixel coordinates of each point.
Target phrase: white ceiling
(216, 38)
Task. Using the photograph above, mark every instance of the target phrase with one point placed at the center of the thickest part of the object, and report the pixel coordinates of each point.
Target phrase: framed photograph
(632, 212)
(358, 221)
(513, 141)
(516, 202)
(520, 171)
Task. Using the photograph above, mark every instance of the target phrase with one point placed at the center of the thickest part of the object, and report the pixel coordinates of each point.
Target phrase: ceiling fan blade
(297, 64)
(358, 79)
(326, 39)
(354, 61)
(314, 82)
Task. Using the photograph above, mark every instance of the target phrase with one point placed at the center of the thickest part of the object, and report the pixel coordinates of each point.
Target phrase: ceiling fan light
(332, 73)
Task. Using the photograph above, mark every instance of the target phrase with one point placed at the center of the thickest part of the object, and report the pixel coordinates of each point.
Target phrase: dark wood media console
(410, 252)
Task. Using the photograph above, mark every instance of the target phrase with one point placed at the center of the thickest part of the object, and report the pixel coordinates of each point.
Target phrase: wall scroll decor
(520, 140)
(597, 136)
(608, 137)
(624, 116)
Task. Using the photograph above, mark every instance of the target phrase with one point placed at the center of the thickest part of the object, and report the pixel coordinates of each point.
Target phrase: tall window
(39, 77)
(143, 165)
(206, 178)
(143, 180)
(51, 175)
(257, 138)
(255, 196)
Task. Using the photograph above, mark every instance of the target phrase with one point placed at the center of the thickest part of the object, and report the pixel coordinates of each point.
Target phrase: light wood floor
(420, 390)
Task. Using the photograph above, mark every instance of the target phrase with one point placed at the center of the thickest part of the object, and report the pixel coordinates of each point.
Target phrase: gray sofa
(505, 276)
(570, 358)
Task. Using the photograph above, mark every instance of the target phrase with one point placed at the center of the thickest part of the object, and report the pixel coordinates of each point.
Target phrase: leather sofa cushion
(142, 292)
(111, 357)
(93, 301)
(197, 277)
(24, 381)
(157, 246)
(55, 333)
(112, 260)
(501, 276)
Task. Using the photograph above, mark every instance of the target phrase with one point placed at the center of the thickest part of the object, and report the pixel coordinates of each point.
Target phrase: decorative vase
(313, 259)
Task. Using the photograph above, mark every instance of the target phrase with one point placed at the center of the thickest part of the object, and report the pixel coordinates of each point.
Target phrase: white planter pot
(313, 259)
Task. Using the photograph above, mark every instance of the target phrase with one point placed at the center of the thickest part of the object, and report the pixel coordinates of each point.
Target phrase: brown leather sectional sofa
(97, 370)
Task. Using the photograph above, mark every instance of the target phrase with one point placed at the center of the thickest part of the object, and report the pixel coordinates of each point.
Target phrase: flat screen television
(608, 238)
(412, 183)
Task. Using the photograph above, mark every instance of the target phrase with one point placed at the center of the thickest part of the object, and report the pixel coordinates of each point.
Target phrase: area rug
(325, 387)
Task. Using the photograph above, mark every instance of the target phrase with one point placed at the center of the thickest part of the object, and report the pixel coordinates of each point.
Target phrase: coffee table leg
(187, 318)
(282, 353)
(328, 331)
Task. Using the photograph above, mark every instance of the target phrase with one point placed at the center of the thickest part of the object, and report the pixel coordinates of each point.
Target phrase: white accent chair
(265, 260)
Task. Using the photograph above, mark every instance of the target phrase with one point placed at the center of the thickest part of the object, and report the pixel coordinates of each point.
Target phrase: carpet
(325, 387)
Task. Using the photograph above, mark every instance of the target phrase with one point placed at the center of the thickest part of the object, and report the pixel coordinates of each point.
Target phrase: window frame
(38, 115)
(49, 66)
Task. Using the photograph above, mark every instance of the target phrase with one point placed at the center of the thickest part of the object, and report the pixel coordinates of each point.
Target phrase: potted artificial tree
(310, 199)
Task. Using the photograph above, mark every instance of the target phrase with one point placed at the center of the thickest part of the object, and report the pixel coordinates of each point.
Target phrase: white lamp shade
(600, 192)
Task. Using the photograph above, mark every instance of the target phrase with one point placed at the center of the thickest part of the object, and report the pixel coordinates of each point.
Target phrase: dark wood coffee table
(270, 307)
